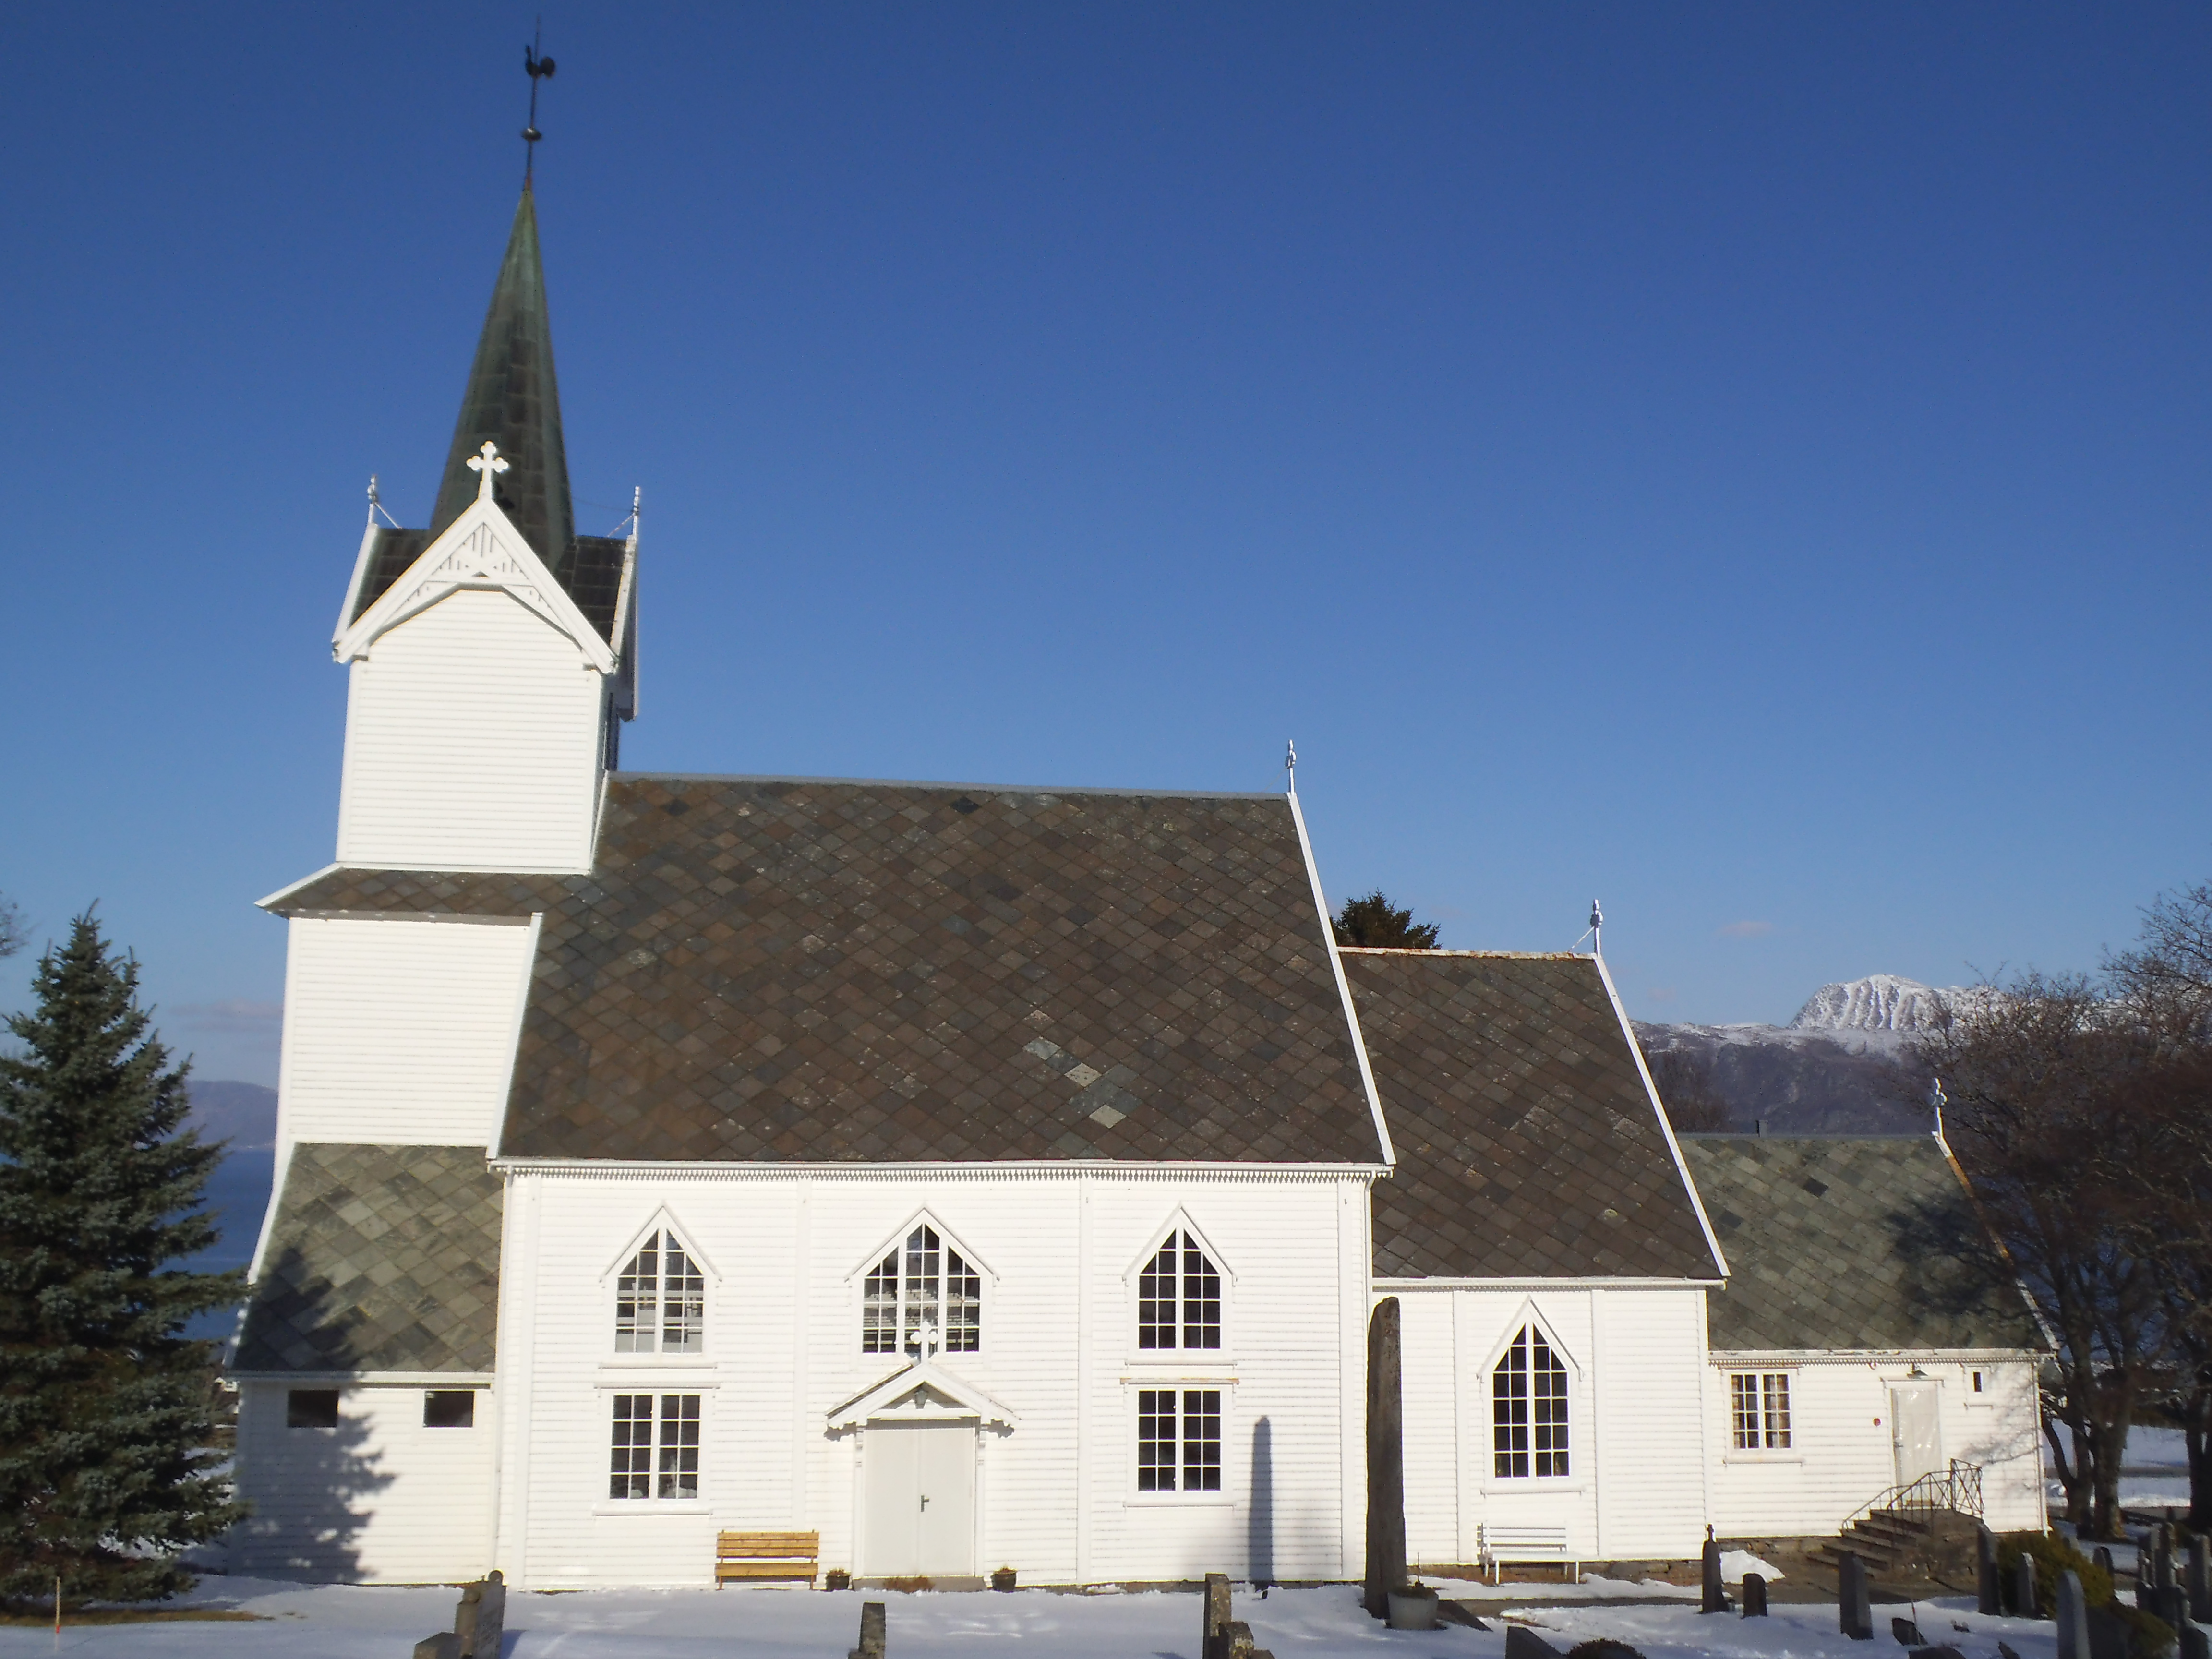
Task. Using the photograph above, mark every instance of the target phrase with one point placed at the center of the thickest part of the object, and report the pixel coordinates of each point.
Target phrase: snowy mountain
(1836, 1067)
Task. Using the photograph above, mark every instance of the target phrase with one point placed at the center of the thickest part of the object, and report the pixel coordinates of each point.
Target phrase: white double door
(920, 1497)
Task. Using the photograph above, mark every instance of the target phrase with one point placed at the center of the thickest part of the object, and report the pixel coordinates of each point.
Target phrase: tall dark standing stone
(873, 1637)
(2103, 1558)
(1985, 1573)
(2200, 1579)
(2194, 1642)
(2162, 1559)
(2073, 1616)
(1716, 1592)
(491, 1618)
(1754, 1596)
(1386, 1461)
(2025, 1602)
(1854, 1613)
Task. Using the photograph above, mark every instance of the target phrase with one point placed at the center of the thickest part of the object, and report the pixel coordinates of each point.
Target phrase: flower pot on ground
(1003, 1579)
(1413, 1607)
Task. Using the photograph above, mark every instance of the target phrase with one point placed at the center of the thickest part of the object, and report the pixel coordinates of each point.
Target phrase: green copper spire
(512, 401)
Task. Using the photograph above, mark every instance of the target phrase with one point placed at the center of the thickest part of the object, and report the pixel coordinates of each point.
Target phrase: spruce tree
(106, 1407)
(1374, 922)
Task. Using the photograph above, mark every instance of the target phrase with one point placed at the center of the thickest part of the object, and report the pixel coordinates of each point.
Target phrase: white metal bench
(1499, 1545)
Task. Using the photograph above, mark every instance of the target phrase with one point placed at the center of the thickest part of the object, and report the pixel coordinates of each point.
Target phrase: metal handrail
(1959, 1488)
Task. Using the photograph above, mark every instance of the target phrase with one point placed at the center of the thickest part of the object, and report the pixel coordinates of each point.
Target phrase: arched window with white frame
(1528, 1408)
(660, 1299)
(1179, 1296)
(923, 1283)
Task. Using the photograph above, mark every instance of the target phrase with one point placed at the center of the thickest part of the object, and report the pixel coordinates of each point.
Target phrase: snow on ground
(350, 1622)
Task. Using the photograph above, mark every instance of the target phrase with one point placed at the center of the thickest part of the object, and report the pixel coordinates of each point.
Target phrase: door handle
(925, 1502)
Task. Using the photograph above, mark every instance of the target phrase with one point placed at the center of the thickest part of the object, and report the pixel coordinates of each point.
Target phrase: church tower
(492, 656)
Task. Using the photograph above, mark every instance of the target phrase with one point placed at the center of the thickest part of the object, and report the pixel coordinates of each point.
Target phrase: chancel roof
(382, 1259)
(1528, 1144)
(1867, 1243)
(762, 969)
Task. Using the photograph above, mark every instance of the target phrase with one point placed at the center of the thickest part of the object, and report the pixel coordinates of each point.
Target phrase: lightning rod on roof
(1598, 929)
(1291, 765)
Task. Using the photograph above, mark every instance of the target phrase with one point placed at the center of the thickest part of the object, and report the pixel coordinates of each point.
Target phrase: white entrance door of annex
(1916, 1431)
(919, 1494)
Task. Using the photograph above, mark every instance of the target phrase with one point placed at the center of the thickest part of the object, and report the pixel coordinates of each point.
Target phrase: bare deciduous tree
(2043, 1079)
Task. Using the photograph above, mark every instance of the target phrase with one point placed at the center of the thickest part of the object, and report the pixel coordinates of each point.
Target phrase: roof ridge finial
(538, 68)
(1291, 765)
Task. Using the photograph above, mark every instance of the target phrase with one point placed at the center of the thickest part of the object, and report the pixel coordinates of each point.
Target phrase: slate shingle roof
(805, 969)
(1853, 1245)
(1527, 1142)
(382, 1259)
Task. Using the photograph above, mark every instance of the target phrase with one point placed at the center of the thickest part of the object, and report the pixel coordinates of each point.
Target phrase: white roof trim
(1659, 1112)
(1344, 991)
(482, 548)
(962, 1399)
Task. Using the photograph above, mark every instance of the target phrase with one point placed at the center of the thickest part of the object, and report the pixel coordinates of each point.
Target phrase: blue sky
(1747, 464)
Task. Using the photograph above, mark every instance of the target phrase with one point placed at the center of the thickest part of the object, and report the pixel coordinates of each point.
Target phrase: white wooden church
(982, 1177)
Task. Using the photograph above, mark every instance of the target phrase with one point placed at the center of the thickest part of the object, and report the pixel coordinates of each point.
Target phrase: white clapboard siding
(1634, 1357)
(786, 1254)
(398, 1031)
(473, 739)
(1840, 1455)
(378, 1500)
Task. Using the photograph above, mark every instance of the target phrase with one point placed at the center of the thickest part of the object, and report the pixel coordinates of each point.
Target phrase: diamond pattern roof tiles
(382, 1259)
(1869, 1243)
(1528, 1144)
(798, 969)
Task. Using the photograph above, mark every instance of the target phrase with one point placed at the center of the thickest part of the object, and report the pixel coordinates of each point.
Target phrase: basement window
(449, 1408)
(311, 1408)
(1758, 1410)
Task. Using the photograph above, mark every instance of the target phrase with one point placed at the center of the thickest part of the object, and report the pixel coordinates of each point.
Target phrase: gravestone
(2025, 1601)
(2161, 1560)
(1215, 1613)
(1716, 1592)
(873, 1636)
(1907, 1633)
(1985, 1573)
(1754, 1596)
(2192, 1641)
(1522, 1643)
(2108, 1636)
(1854, 1617)
(2073, 1616)
(2200, 1578)
(444, 1645)
(2171, 1606)
(1386, 1461)
(2103, 1558)
(480, 1621)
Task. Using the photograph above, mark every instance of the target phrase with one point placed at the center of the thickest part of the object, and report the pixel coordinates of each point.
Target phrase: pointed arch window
(1528, 1408)
(924, 1283)
(1179, 1297)
(660, 1299)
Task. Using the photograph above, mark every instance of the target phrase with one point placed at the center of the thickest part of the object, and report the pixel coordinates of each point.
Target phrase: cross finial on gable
(486, 465)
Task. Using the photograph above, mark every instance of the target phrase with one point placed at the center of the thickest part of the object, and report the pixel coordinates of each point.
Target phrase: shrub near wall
(2148, 1635)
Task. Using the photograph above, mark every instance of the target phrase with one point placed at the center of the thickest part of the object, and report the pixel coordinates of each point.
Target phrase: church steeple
(512, 401)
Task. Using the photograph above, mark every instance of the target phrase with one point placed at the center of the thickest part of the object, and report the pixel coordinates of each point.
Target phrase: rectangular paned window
(655, 1454)
(1528, 1410)
(1758, 1410)
(683, 1303)
(1179, 1440)
(1179, 1297)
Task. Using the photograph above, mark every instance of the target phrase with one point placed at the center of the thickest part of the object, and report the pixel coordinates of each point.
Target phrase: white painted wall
(473, 742)
(1635, 1359)
(1841, 1457)
(380, 1499)
(1056, 1493)
(400, 1031)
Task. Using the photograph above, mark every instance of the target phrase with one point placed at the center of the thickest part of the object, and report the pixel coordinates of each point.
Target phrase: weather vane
(538, 67)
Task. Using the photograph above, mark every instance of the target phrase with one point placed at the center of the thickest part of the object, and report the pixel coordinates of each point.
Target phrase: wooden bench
(1499, 1545)
(790, 1555)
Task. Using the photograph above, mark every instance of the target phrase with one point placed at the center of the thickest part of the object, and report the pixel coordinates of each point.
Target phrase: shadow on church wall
(311, 1490)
